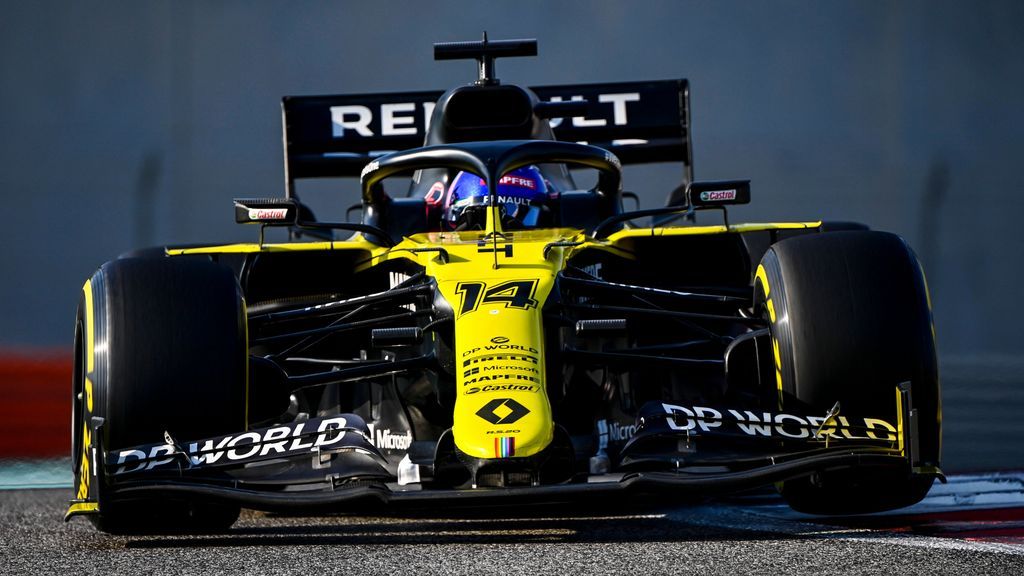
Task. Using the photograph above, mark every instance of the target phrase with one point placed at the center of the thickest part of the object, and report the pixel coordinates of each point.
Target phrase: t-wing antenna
(484, 52)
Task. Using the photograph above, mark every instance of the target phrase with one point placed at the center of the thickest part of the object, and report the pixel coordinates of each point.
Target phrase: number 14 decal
(513, 294)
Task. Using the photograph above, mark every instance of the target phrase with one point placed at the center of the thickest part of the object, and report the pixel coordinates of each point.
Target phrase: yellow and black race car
(497, 333)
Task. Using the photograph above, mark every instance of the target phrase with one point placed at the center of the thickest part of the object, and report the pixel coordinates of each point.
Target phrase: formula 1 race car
(497, 333)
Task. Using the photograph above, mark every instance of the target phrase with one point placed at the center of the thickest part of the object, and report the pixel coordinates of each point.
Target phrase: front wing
(330, 464)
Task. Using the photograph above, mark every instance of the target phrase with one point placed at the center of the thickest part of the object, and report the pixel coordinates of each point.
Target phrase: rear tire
(851, 317)
(160, 346)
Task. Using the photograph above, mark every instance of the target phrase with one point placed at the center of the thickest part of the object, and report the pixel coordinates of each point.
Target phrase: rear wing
(335, 136)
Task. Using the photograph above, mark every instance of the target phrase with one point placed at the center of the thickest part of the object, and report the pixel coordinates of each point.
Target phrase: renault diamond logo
(510, 411)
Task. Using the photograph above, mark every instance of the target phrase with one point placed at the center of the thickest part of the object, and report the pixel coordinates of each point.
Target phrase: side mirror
(713, 194)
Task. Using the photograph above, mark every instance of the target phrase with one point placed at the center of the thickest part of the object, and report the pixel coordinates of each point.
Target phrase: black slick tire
(850, 315)
(160, 347)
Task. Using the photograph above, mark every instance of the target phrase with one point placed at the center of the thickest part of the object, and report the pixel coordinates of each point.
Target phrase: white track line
(963, 493)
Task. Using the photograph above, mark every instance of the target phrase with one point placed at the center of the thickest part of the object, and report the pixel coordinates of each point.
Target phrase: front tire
(160, 347)
(851, 319)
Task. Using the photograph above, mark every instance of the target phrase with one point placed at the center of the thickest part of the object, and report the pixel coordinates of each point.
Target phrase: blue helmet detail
(522, 200)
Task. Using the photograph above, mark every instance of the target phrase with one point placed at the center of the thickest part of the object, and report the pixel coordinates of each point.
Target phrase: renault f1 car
(407, 357)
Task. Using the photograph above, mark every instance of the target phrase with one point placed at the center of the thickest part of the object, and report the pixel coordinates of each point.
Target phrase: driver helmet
(522, 200)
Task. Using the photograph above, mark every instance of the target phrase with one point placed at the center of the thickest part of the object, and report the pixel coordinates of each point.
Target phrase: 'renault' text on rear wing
(335, 136)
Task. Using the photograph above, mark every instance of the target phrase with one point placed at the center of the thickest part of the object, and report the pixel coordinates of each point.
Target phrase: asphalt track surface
(973, 524)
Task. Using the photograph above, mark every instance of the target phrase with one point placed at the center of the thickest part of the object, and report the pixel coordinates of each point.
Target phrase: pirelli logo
(490, 358)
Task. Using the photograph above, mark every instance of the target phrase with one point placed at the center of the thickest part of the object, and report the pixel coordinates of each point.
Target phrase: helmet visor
(471, 213)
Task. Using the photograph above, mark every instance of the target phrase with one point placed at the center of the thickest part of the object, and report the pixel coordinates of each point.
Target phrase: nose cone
(496, 296)
(506, 423)
(501, 408)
